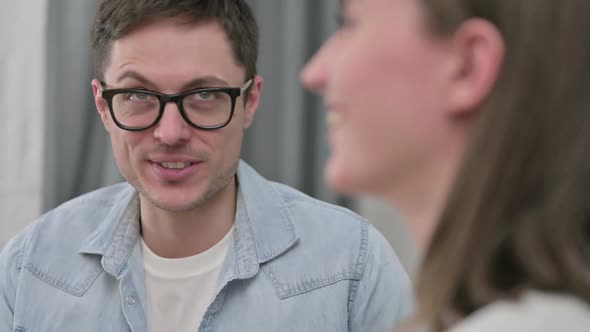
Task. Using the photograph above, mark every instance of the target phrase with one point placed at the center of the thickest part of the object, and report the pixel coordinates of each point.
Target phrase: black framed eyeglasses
(203, 108)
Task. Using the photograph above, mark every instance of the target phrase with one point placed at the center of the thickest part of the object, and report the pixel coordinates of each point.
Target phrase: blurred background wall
(22, 102)
(55, 148)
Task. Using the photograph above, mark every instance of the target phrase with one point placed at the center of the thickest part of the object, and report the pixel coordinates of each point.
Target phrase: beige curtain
(22, 86)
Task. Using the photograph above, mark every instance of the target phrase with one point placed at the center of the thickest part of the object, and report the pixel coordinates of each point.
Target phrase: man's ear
(101, 105)
(478, 50)
(253, 100)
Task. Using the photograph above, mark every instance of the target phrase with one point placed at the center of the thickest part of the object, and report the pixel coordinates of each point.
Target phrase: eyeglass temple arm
(246, 85)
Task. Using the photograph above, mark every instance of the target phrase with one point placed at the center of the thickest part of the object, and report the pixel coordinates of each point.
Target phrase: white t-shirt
(179, 290)
(534, 312)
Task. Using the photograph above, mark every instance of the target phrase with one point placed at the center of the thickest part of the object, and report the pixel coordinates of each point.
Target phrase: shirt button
(130, 300)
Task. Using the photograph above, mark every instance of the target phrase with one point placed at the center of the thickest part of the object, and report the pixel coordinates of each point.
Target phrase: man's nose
(172, 129)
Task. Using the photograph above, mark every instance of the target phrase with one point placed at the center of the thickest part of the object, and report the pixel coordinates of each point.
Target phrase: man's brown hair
(116, 18)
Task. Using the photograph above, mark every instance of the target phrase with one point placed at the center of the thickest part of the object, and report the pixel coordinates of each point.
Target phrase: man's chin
(175, 207)
(171, 199)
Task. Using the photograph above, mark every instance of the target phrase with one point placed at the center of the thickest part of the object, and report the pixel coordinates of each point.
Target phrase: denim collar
(263, 228)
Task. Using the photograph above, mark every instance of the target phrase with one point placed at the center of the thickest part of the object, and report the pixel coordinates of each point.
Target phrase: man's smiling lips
(174, 165)
(174, 169)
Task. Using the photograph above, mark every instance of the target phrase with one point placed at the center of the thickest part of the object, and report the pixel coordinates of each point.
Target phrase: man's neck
(184, 234)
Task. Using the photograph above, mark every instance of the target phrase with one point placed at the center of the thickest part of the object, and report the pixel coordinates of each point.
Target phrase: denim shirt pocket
(286, 289)
(75, 280)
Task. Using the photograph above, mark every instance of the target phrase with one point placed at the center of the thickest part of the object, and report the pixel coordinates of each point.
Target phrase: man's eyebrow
(199, 82)
(134, 75)
(205, 82)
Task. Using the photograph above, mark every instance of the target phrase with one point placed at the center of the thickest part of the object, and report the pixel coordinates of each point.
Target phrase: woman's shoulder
(534, 311)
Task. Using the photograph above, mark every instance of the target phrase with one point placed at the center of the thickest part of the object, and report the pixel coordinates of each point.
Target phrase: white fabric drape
(22, 86)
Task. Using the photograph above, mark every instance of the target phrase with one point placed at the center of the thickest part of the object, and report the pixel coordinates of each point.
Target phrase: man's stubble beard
(219, 183)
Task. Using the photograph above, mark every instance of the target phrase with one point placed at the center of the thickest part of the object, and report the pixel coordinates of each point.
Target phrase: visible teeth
(174, 165)
(333, 118)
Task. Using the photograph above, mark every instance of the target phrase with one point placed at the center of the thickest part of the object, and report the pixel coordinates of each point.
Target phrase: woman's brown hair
(518, 216)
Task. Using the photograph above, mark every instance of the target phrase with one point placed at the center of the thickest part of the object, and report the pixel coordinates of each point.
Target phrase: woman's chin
(354, 178)
(340, 177)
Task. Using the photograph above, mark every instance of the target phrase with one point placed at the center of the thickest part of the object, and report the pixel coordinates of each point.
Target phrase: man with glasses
(195, 240)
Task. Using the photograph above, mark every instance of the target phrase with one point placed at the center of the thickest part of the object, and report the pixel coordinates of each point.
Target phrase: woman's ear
(478, 51)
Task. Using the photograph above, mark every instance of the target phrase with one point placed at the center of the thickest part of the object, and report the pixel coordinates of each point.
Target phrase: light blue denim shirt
(295, 264)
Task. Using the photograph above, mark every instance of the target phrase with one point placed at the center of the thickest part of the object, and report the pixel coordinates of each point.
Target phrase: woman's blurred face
(382, 77)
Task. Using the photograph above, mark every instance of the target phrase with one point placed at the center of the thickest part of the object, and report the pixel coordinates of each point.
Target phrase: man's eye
(205, 95)
(138, 96)
(202, 96)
